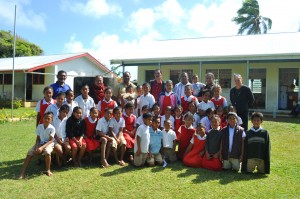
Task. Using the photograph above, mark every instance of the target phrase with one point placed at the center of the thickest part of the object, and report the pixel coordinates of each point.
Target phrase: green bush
(7, 103)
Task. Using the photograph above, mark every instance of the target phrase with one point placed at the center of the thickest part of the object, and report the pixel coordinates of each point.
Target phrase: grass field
(174, 181)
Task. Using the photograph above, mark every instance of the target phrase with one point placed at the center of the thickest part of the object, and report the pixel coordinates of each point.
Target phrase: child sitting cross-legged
(194, 153)
(155, 143)
(116, 127)
(142, 141)
(43, 145)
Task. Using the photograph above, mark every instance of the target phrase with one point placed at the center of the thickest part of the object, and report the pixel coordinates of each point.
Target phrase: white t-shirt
(179, 89)
(71, 107)
(116, 125)
(196, 120)
(168, 138)
(140, 120)
(162, 121)
(206, 122)
(231, 133)
(60, 127)
(146, 100)
(144, 133)
(54, 109)
(45, 134)
(205, 105)
(85, 104)
(103, 125)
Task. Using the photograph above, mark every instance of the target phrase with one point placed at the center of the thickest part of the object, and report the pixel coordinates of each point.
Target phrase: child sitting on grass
(116, 127)
(43, 145)
(155, 143)
(142, 141)
(75, 130)
(257, 147)
(194, 153)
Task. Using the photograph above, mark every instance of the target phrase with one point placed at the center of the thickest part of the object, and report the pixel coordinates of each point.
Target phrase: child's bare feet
(104, 163)
(48, 173)
(121, 163)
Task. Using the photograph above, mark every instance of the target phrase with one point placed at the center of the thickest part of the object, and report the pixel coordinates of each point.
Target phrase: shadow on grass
(224, 177)
(121, 170)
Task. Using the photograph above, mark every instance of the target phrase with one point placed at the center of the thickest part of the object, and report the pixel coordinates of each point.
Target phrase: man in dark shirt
(60, 85)
(157, 85)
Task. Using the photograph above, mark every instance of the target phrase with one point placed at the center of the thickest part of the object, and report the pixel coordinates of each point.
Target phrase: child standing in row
(116, 127)
(43, 145)
(70, 101)
(169, 142)
(178, 120)
(155, 143)
(168, 98)
(167, 116)
(43, 104)
(107, 102)
(54, 108)
(142, 141)
(188, 97)
(194, 153)
(146, 98)
(75, 129)
(205, 104)
(232, 143)
(257, 147)
(85, 102)
(217, 99)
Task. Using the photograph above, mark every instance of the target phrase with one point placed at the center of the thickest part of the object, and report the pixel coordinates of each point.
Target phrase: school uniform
(168, 143)
(41, 107)
(186, 135)
(103, 104)
(193, 158)
(130, 123)
(144, 134)
(91, 143)
(85, 104)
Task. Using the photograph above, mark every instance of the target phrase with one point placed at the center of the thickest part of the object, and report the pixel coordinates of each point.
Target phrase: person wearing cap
(241, 98)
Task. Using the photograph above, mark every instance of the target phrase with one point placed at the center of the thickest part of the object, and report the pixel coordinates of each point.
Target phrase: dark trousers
(244, 117)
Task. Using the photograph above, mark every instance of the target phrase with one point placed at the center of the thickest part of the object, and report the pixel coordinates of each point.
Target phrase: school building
(33, 73)
(268, 63)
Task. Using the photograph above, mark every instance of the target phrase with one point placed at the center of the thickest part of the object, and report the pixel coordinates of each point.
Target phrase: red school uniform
(91, 142)
(193, 158)
(43, 108)
(177, 123)
(186, 135)
(129, 126)
(166, 102)
(104, 105)
(185, 103)
(217, 102)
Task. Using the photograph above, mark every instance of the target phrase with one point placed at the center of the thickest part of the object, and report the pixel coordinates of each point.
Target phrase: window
(175, 75)
(7, 78)
(38, 78)
(257, 84)
(149, 74)
(222, 77)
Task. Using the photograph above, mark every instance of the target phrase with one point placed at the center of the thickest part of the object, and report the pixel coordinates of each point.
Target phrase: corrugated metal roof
(33, 62)
(241, 46)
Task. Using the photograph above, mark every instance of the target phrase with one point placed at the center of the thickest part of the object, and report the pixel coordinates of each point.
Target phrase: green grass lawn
(174, 181)
(17, 113)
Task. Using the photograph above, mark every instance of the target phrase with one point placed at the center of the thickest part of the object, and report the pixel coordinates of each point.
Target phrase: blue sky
(108, 28)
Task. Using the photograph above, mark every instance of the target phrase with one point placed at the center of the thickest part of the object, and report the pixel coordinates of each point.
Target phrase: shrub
(7, 103)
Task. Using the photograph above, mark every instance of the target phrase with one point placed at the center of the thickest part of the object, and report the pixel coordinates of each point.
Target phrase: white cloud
(171, 11)
(92, 8)
(142, 20)
(25, 17)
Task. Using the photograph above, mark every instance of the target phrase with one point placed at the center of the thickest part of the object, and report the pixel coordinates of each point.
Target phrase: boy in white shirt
(85, 101)
(169, 142)
(142, 141)
(54, 108)
(43, 145)
(167, 116)
(70, 102)
(146, 98)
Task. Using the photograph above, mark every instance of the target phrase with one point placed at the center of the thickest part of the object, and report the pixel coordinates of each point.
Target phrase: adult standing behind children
(241, 98)
(157, 85)
(179, 87)
(60, 85)
(97, 89)
(120, 89)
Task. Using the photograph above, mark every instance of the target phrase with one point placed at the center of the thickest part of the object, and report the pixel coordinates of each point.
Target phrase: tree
(23, 47)
(250, 20)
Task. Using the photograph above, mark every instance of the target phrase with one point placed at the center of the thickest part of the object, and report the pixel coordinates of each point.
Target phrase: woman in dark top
(241, 98)
(75, 129)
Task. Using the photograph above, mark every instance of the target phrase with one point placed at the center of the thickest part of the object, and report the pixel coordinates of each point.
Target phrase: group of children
(194, 130)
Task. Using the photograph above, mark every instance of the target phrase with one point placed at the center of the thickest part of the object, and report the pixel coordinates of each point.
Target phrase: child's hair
(192, 102)
(155, 119)
(178, 107)
(195, 76)
(155, 105)
(108, 109)
(217, 86)
(232, 114)
(169, 108)
(188, 115)
(146, 84)
(85, 86)
(76, 108)
(47, 88)
(216, 117)
(201, 125)
(92, 109)
(219, 108)
(129, 87)
(61, 94)
(48, 113)
(205, 91)
(189, 85)
(169, 82)
(147, 115)
(139, 86)
(68, 92)
(257, 115)
(118, 108)
(129, 105)
(107, 89)
(167, 121)
(208, 111)
(64, 107)
(145, 107)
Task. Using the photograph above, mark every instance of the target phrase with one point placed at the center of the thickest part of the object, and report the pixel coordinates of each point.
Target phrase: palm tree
(249, 18)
